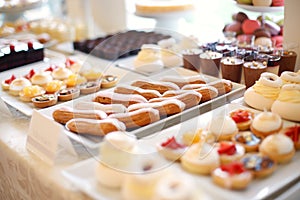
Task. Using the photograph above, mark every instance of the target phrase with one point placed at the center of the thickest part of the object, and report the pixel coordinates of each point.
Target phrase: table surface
(24, 176)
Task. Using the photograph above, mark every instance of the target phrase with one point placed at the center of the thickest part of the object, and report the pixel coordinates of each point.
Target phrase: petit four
(243, 118)
(54, 86)
(223, 128)
(232, 176)
(68, 94)
(44, 100)
(31, 91)
(89, 87)
(61, 73)
(278, 147)
(293, 132)
(171, 149)
(5, 83)
(288, 77)
(248, 140)
(75, 80)
(17, 85)
(230, 152)
(108, 81)
(41, 79)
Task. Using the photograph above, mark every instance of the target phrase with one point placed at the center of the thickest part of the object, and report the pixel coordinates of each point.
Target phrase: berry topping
(51, 68)
(293, 132)
(30, 44)
(241, 116)
(8, 81)
(233, 168)
(69, 62)
(30, 74)
(171, 143)
(227, 148)
(12, 47)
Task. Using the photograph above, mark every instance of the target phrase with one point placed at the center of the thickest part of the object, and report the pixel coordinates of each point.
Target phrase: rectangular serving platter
(82, 174)
(94, 141)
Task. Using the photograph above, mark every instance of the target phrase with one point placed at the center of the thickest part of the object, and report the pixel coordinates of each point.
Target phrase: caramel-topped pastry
(248, 140)
(260, 165)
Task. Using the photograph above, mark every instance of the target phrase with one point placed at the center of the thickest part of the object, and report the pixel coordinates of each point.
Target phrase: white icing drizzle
(154, 105)
(108, 108)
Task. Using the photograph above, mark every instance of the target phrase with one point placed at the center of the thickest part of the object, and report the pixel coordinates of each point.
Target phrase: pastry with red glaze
(294, 133)
(248, 140)
(232, 176)
(171, 149)
(259, 165)
(230, 152)
(5, 83)
(243, 118)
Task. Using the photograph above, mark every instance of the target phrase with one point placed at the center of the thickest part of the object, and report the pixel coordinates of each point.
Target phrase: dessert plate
(82, 174)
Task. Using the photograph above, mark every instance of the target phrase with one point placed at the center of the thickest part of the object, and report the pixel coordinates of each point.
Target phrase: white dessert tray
(82, 174)
(94, 141)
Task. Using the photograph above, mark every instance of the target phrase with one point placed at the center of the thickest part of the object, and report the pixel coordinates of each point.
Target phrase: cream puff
(45, 100)
(232, 176)
(293, 132)
(5, 83)
(223, 128)
(266, 123)
(278, 147)
(31, 91)
(230, 152)
(248, 140)
(17, 85)
(61, 73)
(264, 92)
(287, 104)
(200, 159)
(148, 59)
(171, 149)
(41, 79)
(288, 77)
(243, 118)
(259, 165)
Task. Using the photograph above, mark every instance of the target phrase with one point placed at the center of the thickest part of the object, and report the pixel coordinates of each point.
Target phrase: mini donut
(270, 79)
(288, 102)
(290, 77)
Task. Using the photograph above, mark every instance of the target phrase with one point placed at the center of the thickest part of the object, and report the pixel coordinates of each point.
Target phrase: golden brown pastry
(68, 94)
(94, 127)
(137, 118)
(223, 86)
(127, 89)
(64, 114)
(159, 86)
(184, 80)
(44, 100)
(207, 92)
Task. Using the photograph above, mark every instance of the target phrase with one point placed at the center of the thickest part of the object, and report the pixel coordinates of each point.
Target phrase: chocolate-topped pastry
(260, 166)
(120, 45)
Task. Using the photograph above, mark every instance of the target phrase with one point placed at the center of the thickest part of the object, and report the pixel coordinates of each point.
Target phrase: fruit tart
(230, 152)
(68, 94)
(5, 83)
(171, 149)
(294, 133)
(248, 140)
(243, 118)
(44, 100)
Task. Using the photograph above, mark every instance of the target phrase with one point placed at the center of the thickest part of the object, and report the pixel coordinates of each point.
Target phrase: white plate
(261, 9)
(94, 142)
(82, 174)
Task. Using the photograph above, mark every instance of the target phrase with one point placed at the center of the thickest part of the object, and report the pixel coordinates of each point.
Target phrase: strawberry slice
(241, 116)
(293, 133)
(233, 168)
(51, 68)
(30, 74)
(8, 81)
(69, 62)
(227, 148)
(171, 143)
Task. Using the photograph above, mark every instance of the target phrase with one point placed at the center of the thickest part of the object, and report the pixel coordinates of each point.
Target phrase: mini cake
(293, 132)
(68, 94)
(17, 85)
(61, 73)
(243, 118)
(288, 102)
(54, 86)
(253, 71)
(191, 59)
(223, 128)
(148, 59)
(232, 176)
(108, 81)
(74, 80)
(5, 83)
(116, 152)
(210, 63)
(230, 152)
(265, 91)
(200, 159)
(278, 147)
(259, 165)
(248, 140)
(169, 53)
(171, 149)
(44, 100)
(288, 77)
(231, 68)
(41, 79)
(266, 123)
(162, 6)
(31, 91)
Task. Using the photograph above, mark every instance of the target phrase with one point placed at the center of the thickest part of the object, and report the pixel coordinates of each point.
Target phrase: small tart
(293, 132)
(68, 94)
(109, 81)
(5, 83)
(243, 118)
(41, 78)
(223, 128)
(74, 80)
(89, 87)
(232, 176)
(44, 100)
(17, 85)
(230, 152)
(248, 140)
(91, 74)
(171, 149)
(61, 73)
(31, 91)
(259, 165)
(54, 86)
